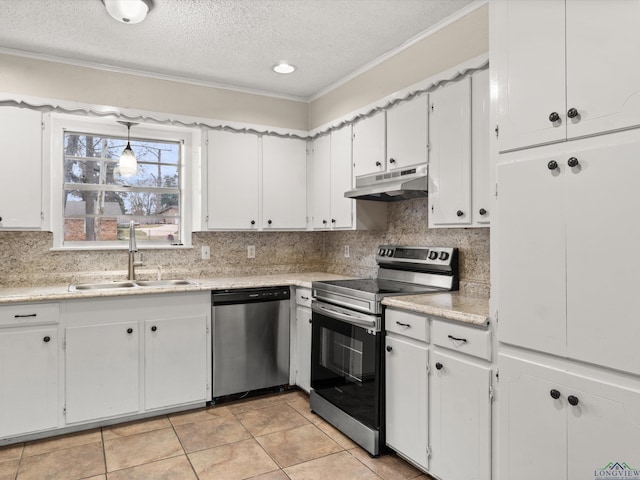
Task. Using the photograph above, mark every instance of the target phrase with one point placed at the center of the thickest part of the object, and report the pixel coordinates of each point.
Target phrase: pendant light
(128, 163)
(128, 11)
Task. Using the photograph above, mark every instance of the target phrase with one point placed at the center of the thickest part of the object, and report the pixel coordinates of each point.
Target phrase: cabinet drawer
(462, 338)
(412, 325)
(29, 314)
(303, 297)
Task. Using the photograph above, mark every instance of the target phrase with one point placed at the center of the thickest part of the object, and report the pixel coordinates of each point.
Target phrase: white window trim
(57, 124)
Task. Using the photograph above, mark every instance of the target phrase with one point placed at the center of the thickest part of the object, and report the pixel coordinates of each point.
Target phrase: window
(93, 203)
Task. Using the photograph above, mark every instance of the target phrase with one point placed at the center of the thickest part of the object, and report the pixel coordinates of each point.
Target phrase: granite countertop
(61, 292)
(451, 305)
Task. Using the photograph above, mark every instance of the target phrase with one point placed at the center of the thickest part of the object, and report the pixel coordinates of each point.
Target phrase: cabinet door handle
(253, 222)
(333, 220)
(46, 339)
(554, 117)
(573, 162)
(439, 366)
(378, 164)
(482, 211)
(129, 330)
(389, 348)
(310, 320)
(154, 328)
(572, 113)
(392, 160)
(304, 298)
(573, 401)
(403, 324)
(269, 222)
(552, 165)
(324, 222)
(0, 219)
(459, 213)
(463, 340)
(27, 315)
(555, 394)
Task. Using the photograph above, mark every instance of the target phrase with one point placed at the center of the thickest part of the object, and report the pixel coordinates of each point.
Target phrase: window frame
(61, 123)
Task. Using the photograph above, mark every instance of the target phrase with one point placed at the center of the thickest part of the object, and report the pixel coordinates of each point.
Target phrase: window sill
(118, 248)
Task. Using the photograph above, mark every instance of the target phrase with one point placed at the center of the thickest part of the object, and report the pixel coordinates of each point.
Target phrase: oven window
(345, 367)
(342, 355)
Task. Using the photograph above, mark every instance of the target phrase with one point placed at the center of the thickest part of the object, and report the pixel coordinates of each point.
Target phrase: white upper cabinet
(21, 168)
(330, 177)
(320, 182)
(342, 209)
(549, 246)
(407, 127)
(481, 163)
(233, 185)
(369, 147)
(284, 183)
(450, 156)
(566, 69)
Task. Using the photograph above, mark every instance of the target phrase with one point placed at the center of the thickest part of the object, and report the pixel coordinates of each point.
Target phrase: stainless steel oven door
(346, 361)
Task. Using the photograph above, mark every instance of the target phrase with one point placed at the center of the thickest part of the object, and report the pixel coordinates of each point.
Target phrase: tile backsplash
(26, 258)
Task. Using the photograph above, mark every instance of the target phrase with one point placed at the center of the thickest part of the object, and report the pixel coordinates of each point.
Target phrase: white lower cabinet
(302, 351)
(438, 395)
(568, 425)
(174, 349)
(128, 355)
(303, 343)
(102, 371)
(406, 401)
(460, 420)
(28, 380)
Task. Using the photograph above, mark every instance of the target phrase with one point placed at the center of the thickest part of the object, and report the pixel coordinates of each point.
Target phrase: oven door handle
(344, 316)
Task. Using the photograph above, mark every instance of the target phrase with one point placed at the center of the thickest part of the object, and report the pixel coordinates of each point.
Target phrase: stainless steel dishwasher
(250, 339)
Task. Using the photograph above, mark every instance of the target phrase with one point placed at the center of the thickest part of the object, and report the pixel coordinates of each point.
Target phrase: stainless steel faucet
(133, 248)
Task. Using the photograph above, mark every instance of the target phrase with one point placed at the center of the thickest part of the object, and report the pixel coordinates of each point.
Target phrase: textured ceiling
(226, 42)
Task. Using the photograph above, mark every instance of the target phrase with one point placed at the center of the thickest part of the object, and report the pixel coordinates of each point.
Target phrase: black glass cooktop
(378, 286)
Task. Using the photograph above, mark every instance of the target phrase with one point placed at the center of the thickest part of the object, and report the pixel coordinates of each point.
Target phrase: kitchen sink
(128, 284)
(102, 286)
(164, 283)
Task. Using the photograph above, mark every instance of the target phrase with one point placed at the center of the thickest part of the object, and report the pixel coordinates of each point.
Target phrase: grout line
(104, 453)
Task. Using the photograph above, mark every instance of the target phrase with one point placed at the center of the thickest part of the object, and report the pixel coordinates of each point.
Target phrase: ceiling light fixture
(128, 11)
(284, 68)
(128, 163)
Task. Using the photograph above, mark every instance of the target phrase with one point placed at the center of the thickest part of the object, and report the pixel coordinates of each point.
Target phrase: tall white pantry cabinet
(566, 106)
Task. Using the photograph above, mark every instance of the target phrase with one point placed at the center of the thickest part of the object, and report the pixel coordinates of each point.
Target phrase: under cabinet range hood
(391, 186)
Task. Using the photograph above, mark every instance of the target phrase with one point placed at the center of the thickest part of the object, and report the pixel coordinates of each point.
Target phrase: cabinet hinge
(428, 368)
(428, 147)
(497, 130)
(491, 393)
(42, 125)
(207, 328)
(497, 375)
(495, 192)
(432, 107)
(64, 343)
(206, 218)
(64, 410)
(428, 451)
(42, 216)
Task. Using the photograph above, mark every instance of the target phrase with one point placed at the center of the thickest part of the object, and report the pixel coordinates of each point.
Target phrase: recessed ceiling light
(284, 68)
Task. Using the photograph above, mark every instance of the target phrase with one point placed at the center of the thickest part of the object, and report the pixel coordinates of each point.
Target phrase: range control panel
(418, 256)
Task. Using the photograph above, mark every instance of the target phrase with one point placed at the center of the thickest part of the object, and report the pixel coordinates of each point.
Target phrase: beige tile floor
(273, 437)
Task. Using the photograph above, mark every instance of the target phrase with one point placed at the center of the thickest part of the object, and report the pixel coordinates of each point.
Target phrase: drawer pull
(304, 298)
(439, 366)
(462, 340)
(26, 315)
(403, 324)
(46, 339)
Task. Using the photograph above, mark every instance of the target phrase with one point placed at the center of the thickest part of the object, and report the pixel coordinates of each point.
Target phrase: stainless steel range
(347, 381)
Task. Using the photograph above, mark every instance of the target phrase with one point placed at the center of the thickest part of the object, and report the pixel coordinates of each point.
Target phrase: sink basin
(128, 284)
(102, 286)
(164, 283)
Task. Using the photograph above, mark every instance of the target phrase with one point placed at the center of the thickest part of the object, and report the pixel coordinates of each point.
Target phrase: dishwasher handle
(250, 295)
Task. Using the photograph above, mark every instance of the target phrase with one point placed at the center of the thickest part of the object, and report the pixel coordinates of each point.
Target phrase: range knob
(433, 255)
(444, 255)
(381, 252)
(389, 252)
